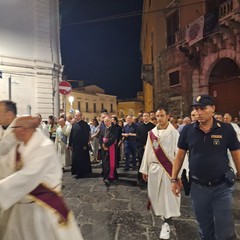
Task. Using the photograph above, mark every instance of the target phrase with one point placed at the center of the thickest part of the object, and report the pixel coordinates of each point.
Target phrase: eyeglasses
(23, 127)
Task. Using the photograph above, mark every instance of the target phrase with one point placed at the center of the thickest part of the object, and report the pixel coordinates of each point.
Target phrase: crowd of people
(156, 145)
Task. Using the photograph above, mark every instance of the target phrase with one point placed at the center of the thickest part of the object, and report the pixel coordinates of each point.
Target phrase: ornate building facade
(190, 48)
(30, 60)
(90, 100)
(131, 106)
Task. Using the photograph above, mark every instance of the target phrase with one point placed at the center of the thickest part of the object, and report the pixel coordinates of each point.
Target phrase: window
(94, 107)
(174, 78)
(111, 107)
(149, 3)
(79, 106)
(102, 105)
(131, 112)
(172, 27)
(86, 107)
(121, 113)
(152, 47)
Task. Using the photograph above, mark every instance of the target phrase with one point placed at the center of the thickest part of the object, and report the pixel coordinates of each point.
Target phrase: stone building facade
(30, 59)
(131, 106)
(90, 100)
(190, 48)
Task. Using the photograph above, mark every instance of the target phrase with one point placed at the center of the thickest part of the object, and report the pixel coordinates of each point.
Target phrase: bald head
(107, 121)
(27, 122)
(25, 127)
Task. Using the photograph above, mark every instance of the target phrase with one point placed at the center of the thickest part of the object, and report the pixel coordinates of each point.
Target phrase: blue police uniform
(208, 163)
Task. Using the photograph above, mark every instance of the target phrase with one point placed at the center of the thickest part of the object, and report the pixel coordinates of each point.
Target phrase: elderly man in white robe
(156, 167)
(31, 204)
(62, 134)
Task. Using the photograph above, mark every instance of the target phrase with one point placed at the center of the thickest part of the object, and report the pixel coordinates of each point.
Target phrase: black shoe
(113, 182)
(107, 183)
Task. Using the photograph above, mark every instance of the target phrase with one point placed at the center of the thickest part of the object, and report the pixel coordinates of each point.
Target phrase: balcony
(228, 11)
(147, 73)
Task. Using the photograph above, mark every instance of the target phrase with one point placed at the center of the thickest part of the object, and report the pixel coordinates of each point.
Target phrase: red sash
(47, 196)
(52, 200)
(111, 151)
(161, 156)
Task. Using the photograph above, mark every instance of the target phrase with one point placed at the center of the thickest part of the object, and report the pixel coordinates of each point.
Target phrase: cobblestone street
(120, 212)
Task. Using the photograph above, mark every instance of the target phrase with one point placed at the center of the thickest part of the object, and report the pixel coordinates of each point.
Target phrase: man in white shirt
(227, 118)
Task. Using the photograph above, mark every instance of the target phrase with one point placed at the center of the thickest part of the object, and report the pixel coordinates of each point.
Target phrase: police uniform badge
(216, 141)
(155, 144)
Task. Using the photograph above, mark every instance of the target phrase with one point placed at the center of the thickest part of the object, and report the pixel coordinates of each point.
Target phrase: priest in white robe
(62, 134)
(31, 204)
(159, 154)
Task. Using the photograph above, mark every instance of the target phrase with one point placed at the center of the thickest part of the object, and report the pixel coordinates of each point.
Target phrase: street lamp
(71, 99)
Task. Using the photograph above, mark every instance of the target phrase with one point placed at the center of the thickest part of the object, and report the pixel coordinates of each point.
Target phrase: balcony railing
(147, 73)
(228, 8)
(181, 35)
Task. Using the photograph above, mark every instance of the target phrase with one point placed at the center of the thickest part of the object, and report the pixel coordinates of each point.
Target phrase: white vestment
(94, 141)
(62, 134)
(163, 201)
(44, 128)
(8, 143)
(237, 130)
(23, 217)
(231, 162)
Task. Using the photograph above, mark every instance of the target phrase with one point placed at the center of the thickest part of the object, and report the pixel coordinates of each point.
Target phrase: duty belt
(208, 183)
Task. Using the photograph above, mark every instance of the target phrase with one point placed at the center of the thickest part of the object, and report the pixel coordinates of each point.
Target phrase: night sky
(104, 53)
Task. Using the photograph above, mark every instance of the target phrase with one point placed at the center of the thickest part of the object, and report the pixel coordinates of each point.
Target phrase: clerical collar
(5, 127)
(159, 128)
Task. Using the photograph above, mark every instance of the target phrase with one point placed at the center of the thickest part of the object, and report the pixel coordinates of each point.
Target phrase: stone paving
(120, 211)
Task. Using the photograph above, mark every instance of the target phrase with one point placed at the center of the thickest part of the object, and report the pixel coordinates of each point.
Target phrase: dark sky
(105, 53)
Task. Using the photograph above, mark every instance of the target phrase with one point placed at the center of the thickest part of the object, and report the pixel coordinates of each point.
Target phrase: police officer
(207, 141)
